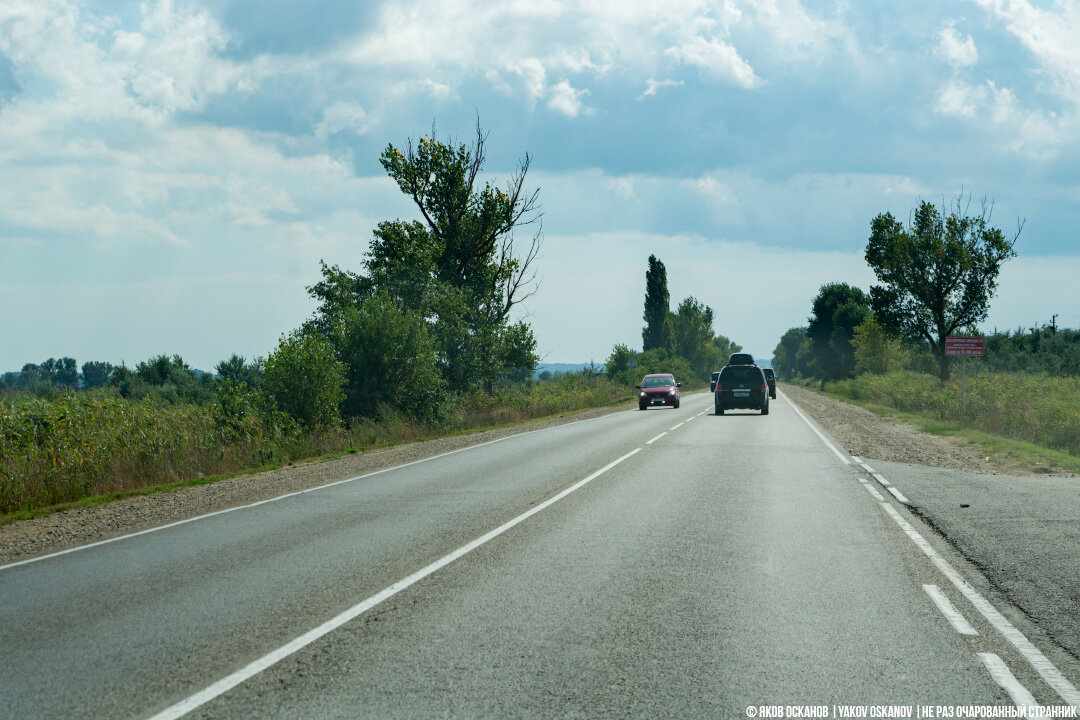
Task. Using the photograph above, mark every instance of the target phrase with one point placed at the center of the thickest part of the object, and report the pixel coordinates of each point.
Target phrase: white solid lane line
(898, 495)
(650, 442)
(677, 426)
(817, 432)
(1004, 677)
(1046, 669)
(248, 671)
(958, 621)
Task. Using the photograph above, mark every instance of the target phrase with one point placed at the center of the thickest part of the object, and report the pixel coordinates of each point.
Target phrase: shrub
(389, 359)
(304, 379)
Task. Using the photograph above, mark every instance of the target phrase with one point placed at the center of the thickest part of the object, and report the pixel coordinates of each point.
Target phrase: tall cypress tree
(657, 331)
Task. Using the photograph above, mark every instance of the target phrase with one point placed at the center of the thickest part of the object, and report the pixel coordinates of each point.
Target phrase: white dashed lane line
(994, 664)
(1004, 677)
(677, 426)
(650, 442)
(872, 490)
(1042, 665)
(958, 621)
(882, 481)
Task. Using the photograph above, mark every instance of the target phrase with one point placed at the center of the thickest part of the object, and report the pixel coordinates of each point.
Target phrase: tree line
(680, 341)
(429, 315)
(936, 277)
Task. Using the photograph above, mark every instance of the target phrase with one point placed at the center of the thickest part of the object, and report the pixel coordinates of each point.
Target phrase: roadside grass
(88, 449)
(938, 412)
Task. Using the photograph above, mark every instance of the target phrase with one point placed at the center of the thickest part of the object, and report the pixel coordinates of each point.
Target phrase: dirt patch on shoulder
(84, 525)
(872, 437)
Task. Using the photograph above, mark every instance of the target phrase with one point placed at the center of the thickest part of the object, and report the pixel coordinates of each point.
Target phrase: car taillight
(719, 387)
(762, 386)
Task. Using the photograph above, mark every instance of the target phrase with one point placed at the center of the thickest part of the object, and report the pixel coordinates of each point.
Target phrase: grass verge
(1009, 451)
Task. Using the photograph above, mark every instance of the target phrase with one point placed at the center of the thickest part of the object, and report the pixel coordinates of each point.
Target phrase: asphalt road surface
(667, 563)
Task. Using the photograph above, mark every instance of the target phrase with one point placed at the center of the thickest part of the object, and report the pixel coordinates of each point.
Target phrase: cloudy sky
(172, 172)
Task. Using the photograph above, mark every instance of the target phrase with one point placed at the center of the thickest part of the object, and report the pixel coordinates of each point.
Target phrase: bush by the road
(1036, 408)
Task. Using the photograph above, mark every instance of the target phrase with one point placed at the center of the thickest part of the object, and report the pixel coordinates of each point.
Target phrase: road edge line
(1042, 665)
(821, 435)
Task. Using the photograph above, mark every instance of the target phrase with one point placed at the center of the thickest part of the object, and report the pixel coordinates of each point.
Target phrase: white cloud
(961, 100)
(173, 62)
(566, 99)
(795, 35)
(955, 49)
(716, 58)
(1050, 35)
(530, 41)
(713, 189)
(653, 86)
(1032, 132)
(533, 75)
(342, 116)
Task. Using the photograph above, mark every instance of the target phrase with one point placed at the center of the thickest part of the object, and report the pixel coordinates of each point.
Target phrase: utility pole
(1053, 324)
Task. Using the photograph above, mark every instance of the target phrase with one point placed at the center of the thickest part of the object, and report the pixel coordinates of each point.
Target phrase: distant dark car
(740, 359)
(712, 381)
(741, 386)
(658, 389)
(770, 378)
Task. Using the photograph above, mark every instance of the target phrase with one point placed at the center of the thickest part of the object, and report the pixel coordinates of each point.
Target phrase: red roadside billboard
(963, 346)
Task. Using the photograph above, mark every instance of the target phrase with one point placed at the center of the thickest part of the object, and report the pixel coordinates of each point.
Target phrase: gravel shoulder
(1019, 526)
(61, 530)
(872, 437)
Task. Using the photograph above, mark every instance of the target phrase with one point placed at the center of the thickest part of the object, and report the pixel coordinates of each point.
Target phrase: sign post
(964, 347)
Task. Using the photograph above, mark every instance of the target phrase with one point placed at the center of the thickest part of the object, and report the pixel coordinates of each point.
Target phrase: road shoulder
(26, 538)
(1020, 527)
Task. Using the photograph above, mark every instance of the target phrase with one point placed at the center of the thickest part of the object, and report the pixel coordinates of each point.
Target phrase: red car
(658, 389)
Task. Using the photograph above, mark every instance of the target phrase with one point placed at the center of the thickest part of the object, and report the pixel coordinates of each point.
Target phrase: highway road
(667, 563)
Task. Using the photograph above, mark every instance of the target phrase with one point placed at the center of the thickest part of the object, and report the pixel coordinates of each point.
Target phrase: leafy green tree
(837, 309)
(96, 373)
(169, 378)
(518, 356)
(692, 332)
(657, 330)
(33, 377)
(460, 268)
(786, 354)
(389, 359)
(618, 365)
(304, 379)
(61, 373)
(238, 370)
(938, 275)
(876, 350)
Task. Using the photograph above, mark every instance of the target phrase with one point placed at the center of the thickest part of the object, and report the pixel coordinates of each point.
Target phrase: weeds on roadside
(69, 446)
(1036, 408)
